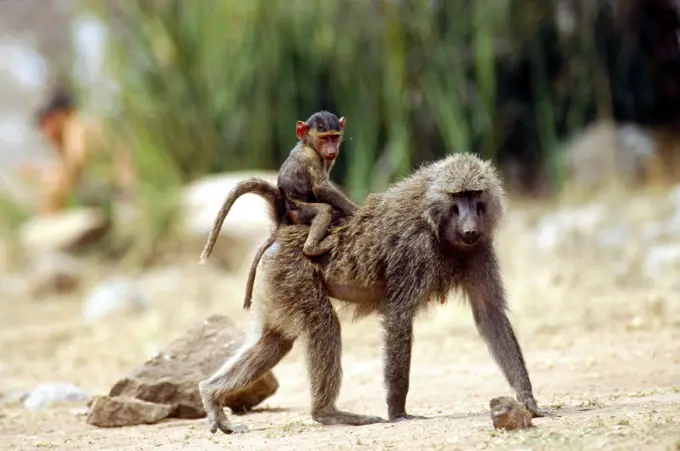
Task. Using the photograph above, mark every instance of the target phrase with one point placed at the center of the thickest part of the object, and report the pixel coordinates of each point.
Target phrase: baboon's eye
(481, 208)
(455, 210)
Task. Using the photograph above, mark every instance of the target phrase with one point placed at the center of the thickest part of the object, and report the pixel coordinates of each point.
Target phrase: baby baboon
(306, 193)
(428, 234)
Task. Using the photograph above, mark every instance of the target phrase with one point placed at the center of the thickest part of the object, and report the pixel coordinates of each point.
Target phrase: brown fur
(304, 193)
(400, 247)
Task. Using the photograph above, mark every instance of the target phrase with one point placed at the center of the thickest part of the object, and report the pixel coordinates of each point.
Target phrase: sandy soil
(602, 351)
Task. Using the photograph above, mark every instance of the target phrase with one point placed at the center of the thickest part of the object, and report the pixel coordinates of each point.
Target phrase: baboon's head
(464, 200)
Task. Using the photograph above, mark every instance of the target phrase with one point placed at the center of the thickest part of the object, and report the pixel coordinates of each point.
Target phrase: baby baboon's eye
(455, 210)
(481, 208)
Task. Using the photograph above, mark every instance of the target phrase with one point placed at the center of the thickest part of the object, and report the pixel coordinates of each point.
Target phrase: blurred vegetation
(217, 85)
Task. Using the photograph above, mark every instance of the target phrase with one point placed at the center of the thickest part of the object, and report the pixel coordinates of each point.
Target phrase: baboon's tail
(253, 269)
(252, 185)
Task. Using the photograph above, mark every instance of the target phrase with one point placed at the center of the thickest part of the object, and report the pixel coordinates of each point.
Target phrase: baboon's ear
(301, 130)
(435, 214)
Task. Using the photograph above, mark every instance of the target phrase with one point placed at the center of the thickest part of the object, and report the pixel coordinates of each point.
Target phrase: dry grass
(602, 351)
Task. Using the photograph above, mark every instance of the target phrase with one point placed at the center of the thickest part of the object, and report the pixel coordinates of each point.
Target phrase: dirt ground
(603, 351)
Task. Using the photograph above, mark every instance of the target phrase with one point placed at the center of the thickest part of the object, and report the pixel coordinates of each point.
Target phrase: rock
(555, 229)
(653, 231)
(80, 412)
(54, 273)
(656, 305)
(118, 411)
(637, 147)
(662, 260)
(604, 155)
(674, 196)
(68, 231)
(613, 237)
(117, 296)
(171, 378)
(14, 285)
(245, 228)
(48, 394)
(203, 198)
(13, 397)
(508, 414)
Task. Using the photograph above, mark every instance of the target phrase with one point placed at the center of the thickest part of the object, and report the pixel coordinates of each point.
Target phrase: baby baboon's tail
(252, 185)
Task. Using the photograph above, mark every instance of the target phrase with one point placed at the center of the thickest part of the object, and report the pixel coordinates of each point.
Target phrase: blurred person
(89, 169)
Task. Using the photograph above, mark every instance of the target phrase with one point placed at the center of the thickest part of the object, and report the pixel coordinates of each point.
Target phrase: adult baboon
(426, 235)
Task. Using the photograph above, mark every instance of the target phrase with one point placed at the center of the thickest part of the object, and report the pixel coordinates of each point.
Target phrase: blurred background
(124, 124)
(553, 91)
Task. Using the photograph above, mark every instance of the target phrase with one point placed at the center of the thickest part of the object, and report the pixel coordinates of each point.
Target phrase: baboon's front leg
(488, 303)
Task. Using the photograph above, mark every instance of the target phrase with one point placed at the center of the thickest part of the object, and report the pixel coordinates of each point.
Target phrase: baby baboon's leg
(324, 350)
(250, 364)
(316, 244)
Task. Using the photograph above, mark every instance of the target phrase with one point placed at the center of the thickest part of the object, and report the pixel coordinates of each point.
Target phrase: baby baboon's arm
(327, 193)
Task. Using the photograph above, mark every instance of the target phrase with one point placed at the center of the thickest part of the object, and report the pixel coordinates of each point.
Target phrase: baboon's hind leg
(249, 365)
(324, 351)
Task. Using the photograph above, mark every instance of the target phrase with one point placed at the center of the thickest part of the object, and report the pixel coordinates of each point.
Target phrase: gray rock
(613, 237)
(556, 228)
(118, 411)
(674, 196)
(117, 296)
(661, 260)
(637, 146)
(54, 273)
(13, 397)
(603, 154)
(49, 394)
(245, 228)
(202, 199)
(67, 231)
(172, 377)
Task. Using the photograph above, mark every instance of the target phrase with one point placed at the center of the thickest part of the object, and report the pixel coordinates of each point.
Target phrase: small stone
(113, 297)
(636, 322)
(660, 260)
(48, 394)
(81, 412)
(54, 273)
(13, 397)
(118, 411)
(613, 237)
(508, 414)
(67, 231)
(657, 305)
